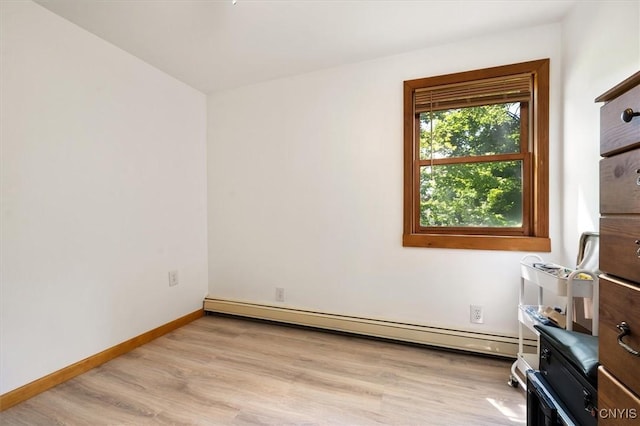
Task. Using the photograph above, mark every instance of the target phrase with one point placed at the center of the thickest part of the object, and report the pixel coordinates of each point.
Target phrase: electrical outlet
(476, 315)
(173, 278)
(279, 294)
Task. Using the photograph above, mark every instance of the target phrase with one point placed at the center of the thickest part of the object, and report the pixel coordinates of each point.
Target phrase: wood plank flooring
(229, 371)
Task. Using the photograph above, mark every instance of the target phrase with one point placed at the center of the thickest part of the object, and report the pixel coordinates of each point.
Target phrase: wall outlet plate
(279, 294)
(173, 278)
(476, 316)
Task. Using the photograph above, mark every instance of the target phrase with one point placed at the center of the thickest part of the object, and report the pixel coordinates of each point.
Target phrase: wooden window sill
(478, 242)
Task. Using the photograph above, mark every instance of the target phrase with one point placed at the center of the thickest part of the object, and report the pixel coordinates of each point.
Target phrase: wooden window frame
(535, 232)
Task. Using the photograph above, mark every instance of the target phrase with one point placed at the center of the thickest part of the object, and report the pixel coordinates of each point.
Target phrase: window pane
(471, 195)
(473, 131)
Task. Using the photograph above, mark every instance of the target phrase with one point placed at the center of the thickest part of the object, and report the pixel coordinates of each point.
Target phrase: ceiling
(215, 45)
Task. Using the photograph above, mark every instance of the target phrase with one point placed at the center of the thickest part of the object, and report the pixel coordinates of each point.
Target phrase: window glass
(485, 194)
(463, 132)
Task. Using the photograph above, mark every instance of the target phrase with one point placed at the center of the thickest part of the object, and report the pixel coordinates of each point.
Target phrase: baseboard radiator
(491, 344)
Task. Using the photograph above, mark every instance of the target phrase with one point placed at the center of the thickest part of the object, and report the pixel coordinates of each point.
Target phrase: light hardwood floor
(220, 370)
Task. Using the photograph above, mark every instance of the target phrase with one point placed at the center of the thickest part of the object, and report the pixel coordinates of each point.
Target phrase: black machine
(543, 405)
(564, 390)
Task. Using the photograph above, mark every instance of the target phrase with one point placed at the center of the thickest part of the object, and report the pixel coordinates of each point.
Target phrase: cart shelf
(555, 279)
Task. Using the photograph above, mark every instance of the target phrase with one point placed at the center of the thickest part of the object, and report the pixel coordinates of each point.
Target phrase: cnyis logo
(618, 413)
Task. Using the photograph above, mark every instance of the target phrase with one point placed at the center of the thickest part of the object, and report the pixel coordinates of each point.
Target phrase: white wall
(103, 192)
(305, 193)
(305, 178)
(601, 47)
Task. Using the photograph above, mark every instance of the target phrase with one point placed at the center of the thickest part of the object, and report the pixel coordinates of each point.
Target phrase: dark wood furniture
(619, 319)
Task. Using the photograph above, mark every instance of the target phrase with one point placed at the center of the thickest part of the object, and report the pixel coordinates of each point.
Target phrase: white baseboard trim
(491, 344)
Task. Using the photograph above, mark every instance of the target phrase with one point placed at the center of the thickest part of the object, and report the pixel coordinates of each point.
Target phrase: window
(476, 159)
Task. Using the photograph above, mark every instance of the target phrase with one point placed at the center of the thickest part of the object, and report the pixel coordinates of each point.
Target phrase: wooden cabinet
(620, 192)
(619, 307)
(619, 237)
(617, 135)
(620, 303)
(612, 395)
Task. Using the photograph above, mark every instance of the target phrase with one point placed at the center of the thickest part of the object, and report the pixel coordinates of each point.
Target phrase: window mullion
(475, 159)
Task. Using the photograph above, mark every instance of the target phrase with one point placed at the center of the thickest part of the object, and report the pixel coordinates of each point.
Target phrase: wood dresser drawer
(620, 246)
(616, 405)
(619, 289)
(619, 302)
(620, 183)
(615, 134)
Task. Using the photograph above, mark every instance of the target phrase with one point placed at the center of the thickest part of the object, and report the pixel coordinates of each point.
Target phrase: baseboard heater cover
(490, 344)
